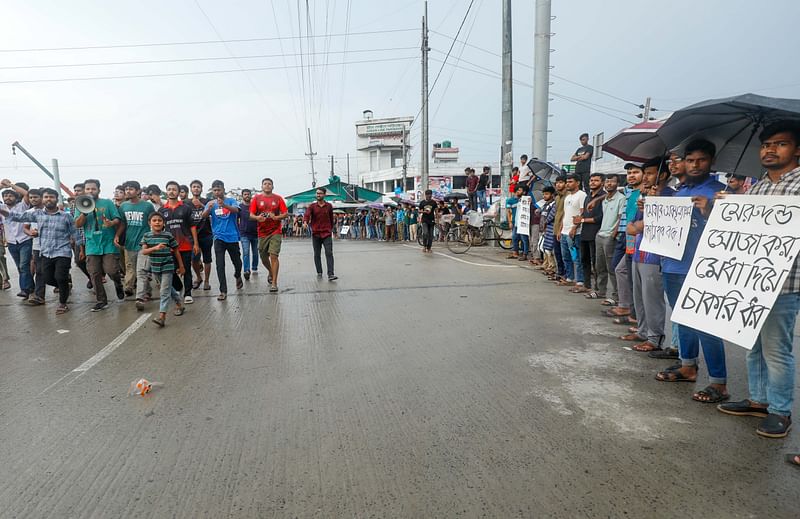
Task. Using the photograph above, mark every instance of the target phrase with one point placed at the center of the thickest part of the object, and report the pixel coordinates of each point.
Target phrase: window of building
(397, 158)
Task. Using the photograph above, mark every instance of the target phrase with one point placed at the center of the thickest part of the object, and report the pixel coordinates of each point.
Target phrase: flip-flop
(592, 295)
(645, 347)
(713, 394)
(609, 302)
(222, 297)
(673, 375)
(196, 284)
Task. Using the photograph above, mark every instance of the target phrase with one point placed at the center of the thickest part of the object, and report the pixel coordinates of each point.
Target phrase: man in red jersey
(268, 209)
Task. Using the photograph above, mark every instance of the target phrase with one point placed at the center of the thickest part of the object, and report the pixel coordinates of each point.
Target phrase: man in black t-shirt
(583, 161)
(427, 214)
(591, 218)
(201, 263)
(483, 183)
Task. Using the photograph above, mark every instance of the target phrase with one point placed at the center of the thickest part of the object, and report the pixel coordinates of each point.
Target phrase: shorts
(206, 246)
(270, 245)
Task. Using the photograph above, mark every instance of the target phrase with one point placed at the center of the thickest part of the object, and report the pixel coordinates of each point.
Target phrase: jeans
(184, 285)
(482, 200)
(220, 248)
(473, 200)
(518, 239)
(770, 364)
(39, 277)
(167, 290)
(427, 235)
(143, 277)
(573, 269)
(318, 243)
(249, 248)
(21, 254)
(691, 339)
(3, 265)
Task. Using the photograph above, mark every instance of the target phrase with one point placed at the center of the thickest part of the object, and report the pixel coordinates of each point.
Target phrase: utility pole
(507, 152)
(541, 79)
(425, 137)
(57, 180)
(405, 157)
(646, 107)
(311, 155)
(58, 185)
(348, 167)
(332, 173)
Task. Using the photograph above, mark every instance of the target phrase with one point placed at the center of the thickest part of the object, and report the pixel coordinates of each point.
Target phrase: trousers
(318, 244)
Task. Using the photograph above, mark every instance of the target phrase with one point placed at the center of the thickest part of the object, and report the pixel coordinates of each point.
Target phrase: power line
(186, 60)
(193, 73)
(554, 75)
(204, 42)
(167, 163)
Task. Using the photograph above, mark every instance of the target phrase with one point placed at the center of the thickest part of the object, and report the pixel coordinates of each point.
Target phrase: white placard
(666, 225)
(744, 256)
(524, 215)
(345, 229)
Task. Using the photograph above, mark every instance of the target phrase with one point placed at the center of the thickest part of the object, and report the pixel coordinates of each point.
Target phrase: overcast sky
(242, 125)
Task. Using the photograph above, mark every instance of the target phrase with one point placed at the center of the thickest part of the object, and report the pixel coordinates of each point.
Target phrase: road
(415, 386)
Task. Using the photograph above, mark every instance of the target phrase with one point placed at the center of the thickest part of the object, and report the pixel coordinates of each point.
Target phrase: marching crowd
(586, 237)
(141, 241)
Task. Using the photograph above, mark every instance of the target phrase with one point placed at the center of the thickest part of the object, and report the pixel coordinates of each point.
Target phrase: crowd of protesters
(586, 236)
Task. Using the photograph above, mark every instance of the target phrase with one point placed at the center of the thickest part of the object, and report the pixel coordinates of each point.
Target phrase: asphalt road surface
(415, 386)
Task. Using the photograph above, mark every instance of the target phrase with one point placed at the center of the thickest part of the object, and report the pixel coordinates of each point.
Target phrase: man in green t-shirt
(134, 218)
(102, 256)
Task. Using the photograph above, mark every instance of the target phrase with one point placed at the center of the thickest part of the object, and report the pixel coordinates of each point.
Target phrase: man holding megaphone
(98, 218)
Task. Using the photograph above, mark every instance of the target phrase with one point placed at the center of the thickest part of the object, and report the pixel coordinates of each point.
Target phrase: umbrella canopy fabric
(455, 196)
(376, 205)
(545, 170)
(639, 143)
(732, 124)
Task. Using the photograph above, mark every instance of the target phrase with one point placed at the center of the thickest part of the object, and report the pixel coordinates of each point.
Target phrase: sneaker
(742, 408)
(120, 292)
(22, 294)
(333, 278)
(188, 300)
(319, 275)
(139, 305)
(774, 426)
(99, 307)
(247, 275)
(34, 301)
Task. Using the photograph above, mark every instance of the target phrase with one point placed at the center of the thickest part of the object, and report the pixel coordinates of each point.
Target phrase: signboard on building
(440, 185)
(371, 130)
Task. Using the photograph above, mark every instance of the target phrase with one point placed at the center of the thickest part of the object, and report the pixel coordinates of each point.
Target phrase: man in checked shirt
(770, 364)
(56, 231)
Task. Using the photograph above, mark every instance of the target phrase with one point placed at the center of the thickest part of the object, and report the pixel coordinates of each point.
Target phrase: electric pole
(405, 157)
(425, 147)
(541, 79)
(348, 167)
(311, 155)
(507, 152)
(645, 115)
(332, 173)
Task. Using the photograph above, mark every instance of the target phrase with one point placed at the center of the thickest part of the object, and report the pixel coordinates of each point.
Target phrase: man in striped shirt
(770, 364)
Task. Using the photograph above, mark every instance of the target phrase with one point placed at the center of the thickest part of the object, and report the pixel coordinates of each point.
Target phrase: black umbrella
(732, 124)
(455, 196)
(545, 170)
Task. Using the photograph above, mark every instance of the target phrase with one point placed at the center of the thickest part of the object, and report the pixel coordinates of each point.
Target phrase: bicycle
(463, 235)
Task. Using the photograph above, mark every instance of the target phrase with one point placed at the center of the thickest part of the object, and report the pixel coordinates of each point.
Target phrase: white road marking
(113, 345)
(62, 331)
(465, 261)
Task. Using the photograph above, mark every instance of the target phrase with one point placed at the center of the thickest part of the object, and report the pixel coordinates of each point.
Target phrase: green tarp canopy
(336, 191)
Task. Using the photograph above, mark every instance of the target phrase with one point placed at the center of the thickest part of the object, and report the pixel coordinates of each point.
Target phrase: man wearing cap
(737, 184)
(623, 256)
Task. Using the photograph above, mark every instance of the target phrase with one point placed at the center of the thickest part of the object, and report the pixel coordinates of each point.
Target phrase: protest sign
(345, 229)
(666, 225)
(524, 215)
(744, 256)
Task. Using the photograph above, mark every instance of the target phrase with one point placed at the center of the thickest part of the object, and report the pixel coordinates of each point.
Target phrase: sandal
(196, 283)
(645, 347)
(631, 337)
(710, 395)
(633, 329)
(609, 302)
(617, 312)
(206, 287)
(592, 295)
(792, 459)
(620, 320)
(159, 322)
(222, 297)
(179, 311)
(62, 309)
(674, 375)
(273, 288)
(669, 353)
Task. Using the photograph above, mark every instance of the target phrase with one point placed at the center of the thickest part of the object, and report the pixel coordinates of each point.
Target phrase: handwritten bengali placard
(666, 225)
(524, 215)
(742, 261)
